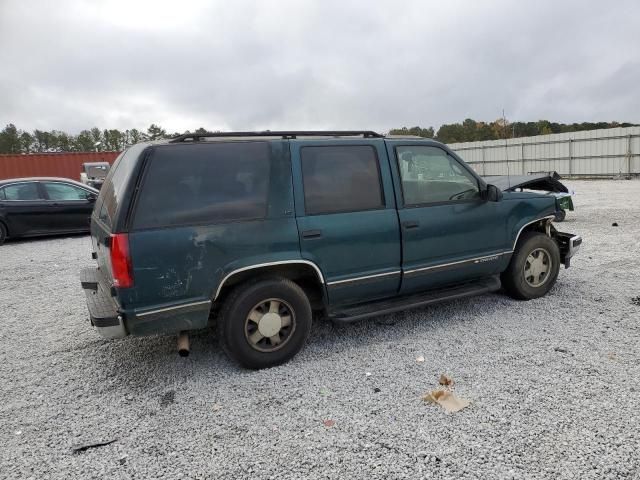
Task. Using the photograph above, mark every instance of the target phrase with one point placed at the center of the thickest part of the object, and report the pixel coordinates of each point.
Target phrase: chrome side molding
(268, 264)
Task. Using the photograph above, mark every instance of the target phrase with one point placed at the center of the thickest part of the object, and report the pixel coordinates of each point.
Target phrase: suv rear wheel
(534, 267)
(264, 323)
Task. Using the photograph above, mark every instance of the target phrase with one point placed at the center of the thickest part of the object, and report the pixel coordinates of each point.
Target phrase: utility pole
(506, 148)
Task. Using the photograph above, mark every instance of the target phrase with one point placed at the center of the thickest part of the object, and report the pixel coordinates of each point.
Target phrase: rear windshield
(208, 183)
(97, 171)
(114, 185)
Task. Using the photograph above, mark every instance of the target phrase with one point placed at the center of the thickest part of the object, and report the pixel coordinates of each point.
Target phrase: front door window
(431, 176)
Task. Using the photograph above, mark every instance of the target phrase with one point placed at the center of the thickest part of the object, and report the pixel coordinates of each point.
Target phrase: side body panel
(456, 241)
(177, 270)
(184, 265)
(71, 215)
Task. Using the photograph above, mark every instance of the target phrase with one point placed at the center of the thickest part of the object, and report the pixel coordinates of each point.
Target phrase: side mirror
(91, 197)
(493, 194)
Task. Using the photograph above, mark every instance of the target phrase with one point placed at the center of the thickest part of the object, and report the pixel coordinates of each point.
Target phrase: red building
(67, 164)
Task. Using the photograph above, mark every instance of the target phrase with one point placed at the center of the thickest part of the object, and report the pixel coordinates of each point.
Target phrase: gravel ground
(554, 383)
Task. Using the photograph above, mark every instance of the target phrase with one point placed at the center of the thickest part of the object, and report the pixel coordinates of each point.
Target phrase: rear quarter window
(207, 183)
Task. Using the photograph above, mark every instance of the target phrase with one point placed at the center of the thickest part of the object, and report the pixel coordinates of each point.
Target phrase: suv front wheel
(534, 267)
(264, 323)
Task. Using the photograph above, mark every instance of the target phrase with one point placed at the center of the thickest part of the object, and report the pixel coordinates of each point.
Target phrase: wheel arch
(538, 225)
(303, 272)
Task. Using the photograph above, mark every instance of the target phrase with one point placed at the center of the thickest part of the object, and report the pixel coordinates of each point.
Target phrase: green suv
(256, 231)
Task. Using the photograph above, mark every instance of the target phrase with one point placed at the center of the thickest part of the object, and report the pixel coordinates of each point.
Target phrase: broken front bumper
(569, 244)
(103, 311)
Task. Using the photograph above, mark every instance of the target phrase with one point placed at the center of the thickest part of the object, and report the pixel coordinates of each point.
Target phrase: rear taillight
(121, 261)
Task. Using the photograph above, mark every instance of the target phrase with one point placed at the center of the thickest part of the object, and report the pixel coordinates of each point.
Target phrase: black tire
(235, 327)
(515, 281)
(3, 233)
(560, 215)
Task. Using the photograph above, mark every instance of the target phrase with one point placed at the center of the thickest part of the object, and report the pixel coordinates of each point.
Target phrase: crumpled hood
(548, 182)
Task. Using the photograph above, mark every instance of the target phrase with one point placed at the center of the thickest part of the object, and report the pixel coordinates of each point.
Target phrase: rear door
(347, 222)
(25, 210)
(70, 206)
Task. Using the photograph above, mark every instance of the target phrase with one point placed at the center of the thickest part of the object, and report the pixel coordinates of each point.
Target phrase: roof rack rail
(286, 134)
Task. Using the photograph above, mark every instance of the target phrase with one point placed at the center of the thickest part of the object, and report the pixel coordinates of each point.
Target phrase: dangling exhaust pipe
(183, 344)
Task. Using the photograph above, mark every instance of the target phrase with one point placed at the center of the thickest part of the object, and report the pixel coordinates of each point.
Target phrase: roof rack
(288, 134)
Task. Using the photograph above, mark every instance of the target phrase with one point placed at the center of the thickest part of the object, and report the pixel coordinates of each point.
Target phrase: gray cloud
(301, 64)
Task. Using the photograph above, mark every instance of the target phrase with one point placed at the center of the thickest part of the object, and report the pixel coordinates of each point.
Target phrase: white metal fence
(610, 152)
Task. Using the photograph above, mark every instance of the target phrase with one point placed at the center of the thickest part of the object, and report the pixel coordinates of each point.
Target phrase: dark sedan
(44, 206)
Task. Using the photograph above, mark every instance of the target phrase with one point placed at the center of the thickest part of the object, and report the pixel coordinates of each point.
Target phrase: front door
(347, 221)
(449, 233)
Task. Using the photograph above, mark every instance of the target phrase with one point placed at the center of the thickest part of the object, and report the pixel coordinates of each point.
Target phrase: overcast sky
(70, 65)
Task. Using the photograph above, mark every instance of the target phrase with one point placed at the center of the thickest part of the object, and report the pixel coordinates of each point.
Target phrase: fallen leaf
(447, 400)
(444, 380)
(329, 423)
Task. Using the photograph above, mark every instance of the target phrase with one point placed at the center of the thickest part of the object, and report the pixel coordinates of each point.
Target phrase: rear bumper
(103, 311)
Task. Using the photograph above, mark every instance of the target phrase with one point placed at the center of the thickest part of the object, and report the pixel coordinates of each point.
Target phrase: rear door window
(207, 183)
(63, 191)
(22, 191)
(340, 179)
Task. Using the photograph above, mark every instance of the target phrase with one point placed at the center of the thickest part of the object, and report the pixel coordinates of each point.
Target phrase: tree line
(472, 131)
(14, 140)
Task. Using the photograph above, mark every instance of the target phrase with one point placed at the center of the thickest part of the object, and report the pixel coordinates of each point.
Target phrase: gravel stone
(535, 412)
